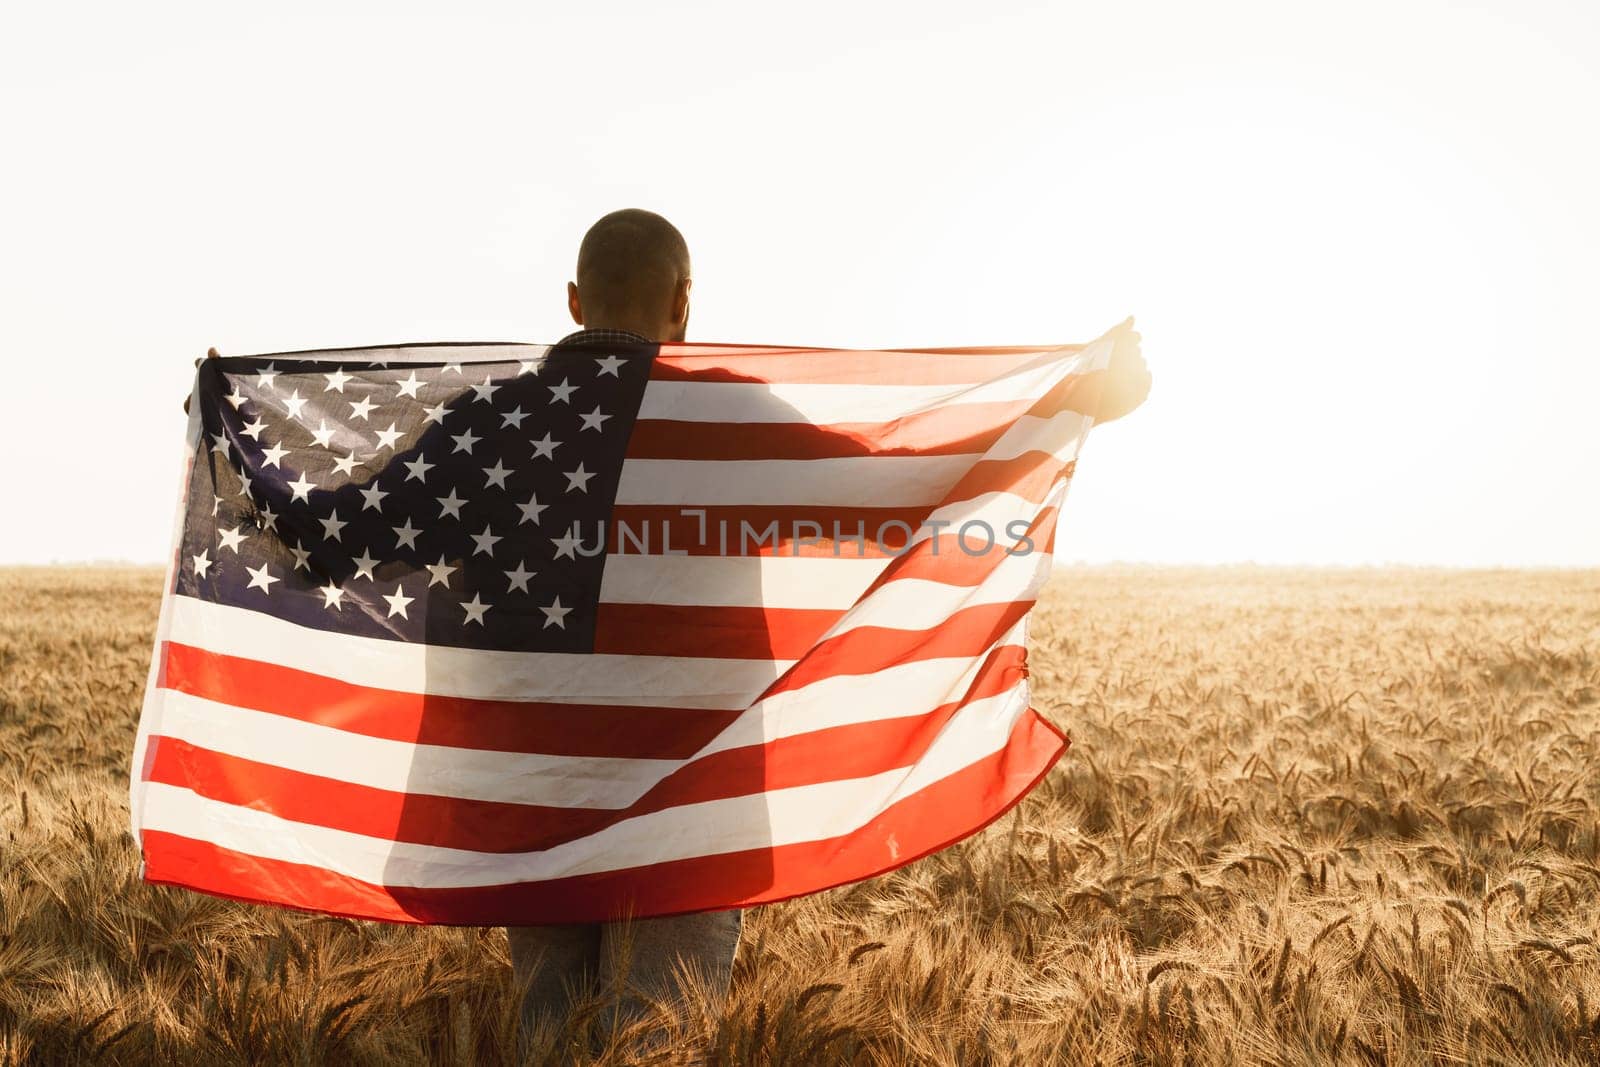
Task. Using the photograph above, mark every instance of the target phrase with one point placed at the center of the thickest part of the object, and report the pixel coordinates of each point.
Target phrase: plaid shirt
(602, 337)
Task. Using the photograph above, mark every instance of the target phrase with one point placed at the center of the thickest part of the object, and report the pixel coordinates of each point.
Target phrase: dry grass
(1308, 817)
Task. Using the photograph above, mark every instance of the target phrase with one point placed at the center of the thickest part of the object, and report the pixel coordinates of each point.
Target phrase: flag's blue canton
(439, 502)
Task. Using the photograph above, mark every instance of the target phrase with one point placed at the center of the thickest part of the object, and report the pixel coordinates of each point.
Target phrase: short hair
(630, 258)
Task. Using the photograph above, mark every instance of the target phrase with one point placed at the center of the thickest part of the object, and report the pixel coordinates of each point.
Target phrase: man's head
(633, 274)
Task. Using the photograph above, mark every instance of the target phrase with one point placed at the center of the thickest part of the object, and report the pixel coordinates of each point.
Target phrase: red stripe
(853, 751)
(953, 430)
(940, 815)
(942, 559)
(1031, 476)
(947, 430)
(458, 722)
(914, 366)
(867, 649)
(727, 632)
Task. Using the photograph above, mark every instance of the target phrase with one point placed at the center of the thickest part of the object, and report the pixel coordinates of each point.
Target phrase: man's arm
(1127, 380)
(211, 353)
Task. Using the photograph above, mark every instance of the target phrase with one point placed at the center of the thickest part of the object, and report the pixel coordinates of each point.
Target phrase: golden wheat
(1307, 817)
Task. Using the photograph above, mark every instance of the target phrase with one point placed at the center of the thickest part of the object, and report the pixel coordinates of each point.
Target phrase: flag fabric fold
(510, 634)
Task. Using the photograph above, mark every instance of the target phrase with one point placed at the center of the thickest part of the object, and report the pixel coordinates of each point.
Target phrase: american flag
(516, 634)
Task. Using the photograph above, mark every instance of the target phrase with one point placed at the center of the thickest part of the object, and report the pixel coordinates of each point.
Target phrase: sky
(1361, 241)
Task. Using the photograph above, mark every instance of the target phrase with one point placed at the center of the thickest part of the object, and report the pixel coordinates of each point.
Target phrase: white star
(336, 380)
(254, 430)
(292, 404)
(566, 544)
(216, 502)
(322, 435)
(332, 525)
(486, 390)
(556, 615)
(202, 563)
(545, 447)
(611, 365)
(418, 468)
(519, 577)
(530, 365)
(578, 479)
(372, 497)
(302, 557)
(270, 456)
(513, 417)
(244, 484)
(219, 444)
(406, 535)
(231, 539)
(531, 510)
(346, 464)
(435, 413)
(450, 505)
(497, 474)
(301, 488)
(397, 602)
(361, 408)
(475, 609)
(268, 519)
(562, 393)
(440, 573)
(593, 420)
(235, 398)
(364, 564)
(464, 442)
(265, 375)
(261, 579)
(409, 386)
(332, 596)
(484, 541)
(450, 367)
(387, 438)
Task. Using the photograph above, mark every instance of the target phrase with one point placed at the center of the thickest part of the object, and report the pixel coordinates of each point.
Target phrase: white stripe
(1061, 434)
(658, 681)
(822, 405)
(807, 582)
(403, 767)
(852, 481)
(1007, 514)
(762, 820)
(921, 604)
(738, 581)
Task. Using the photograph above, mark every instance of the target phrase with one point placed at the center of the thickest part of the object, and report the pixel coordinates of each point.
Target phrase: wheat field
(1308, 817)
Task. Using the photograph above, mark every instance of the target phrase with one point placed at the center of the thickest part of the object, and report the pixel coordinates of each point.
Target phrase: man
(632, 285)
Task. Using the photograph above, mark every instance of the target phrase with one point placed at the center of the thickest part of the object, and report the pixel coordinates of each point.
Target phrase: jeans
(562, 964)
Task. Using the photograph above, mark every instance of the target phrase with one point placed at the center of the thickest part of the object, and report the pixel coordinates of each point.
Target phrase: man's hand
(1127, 381)
(211, 353)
